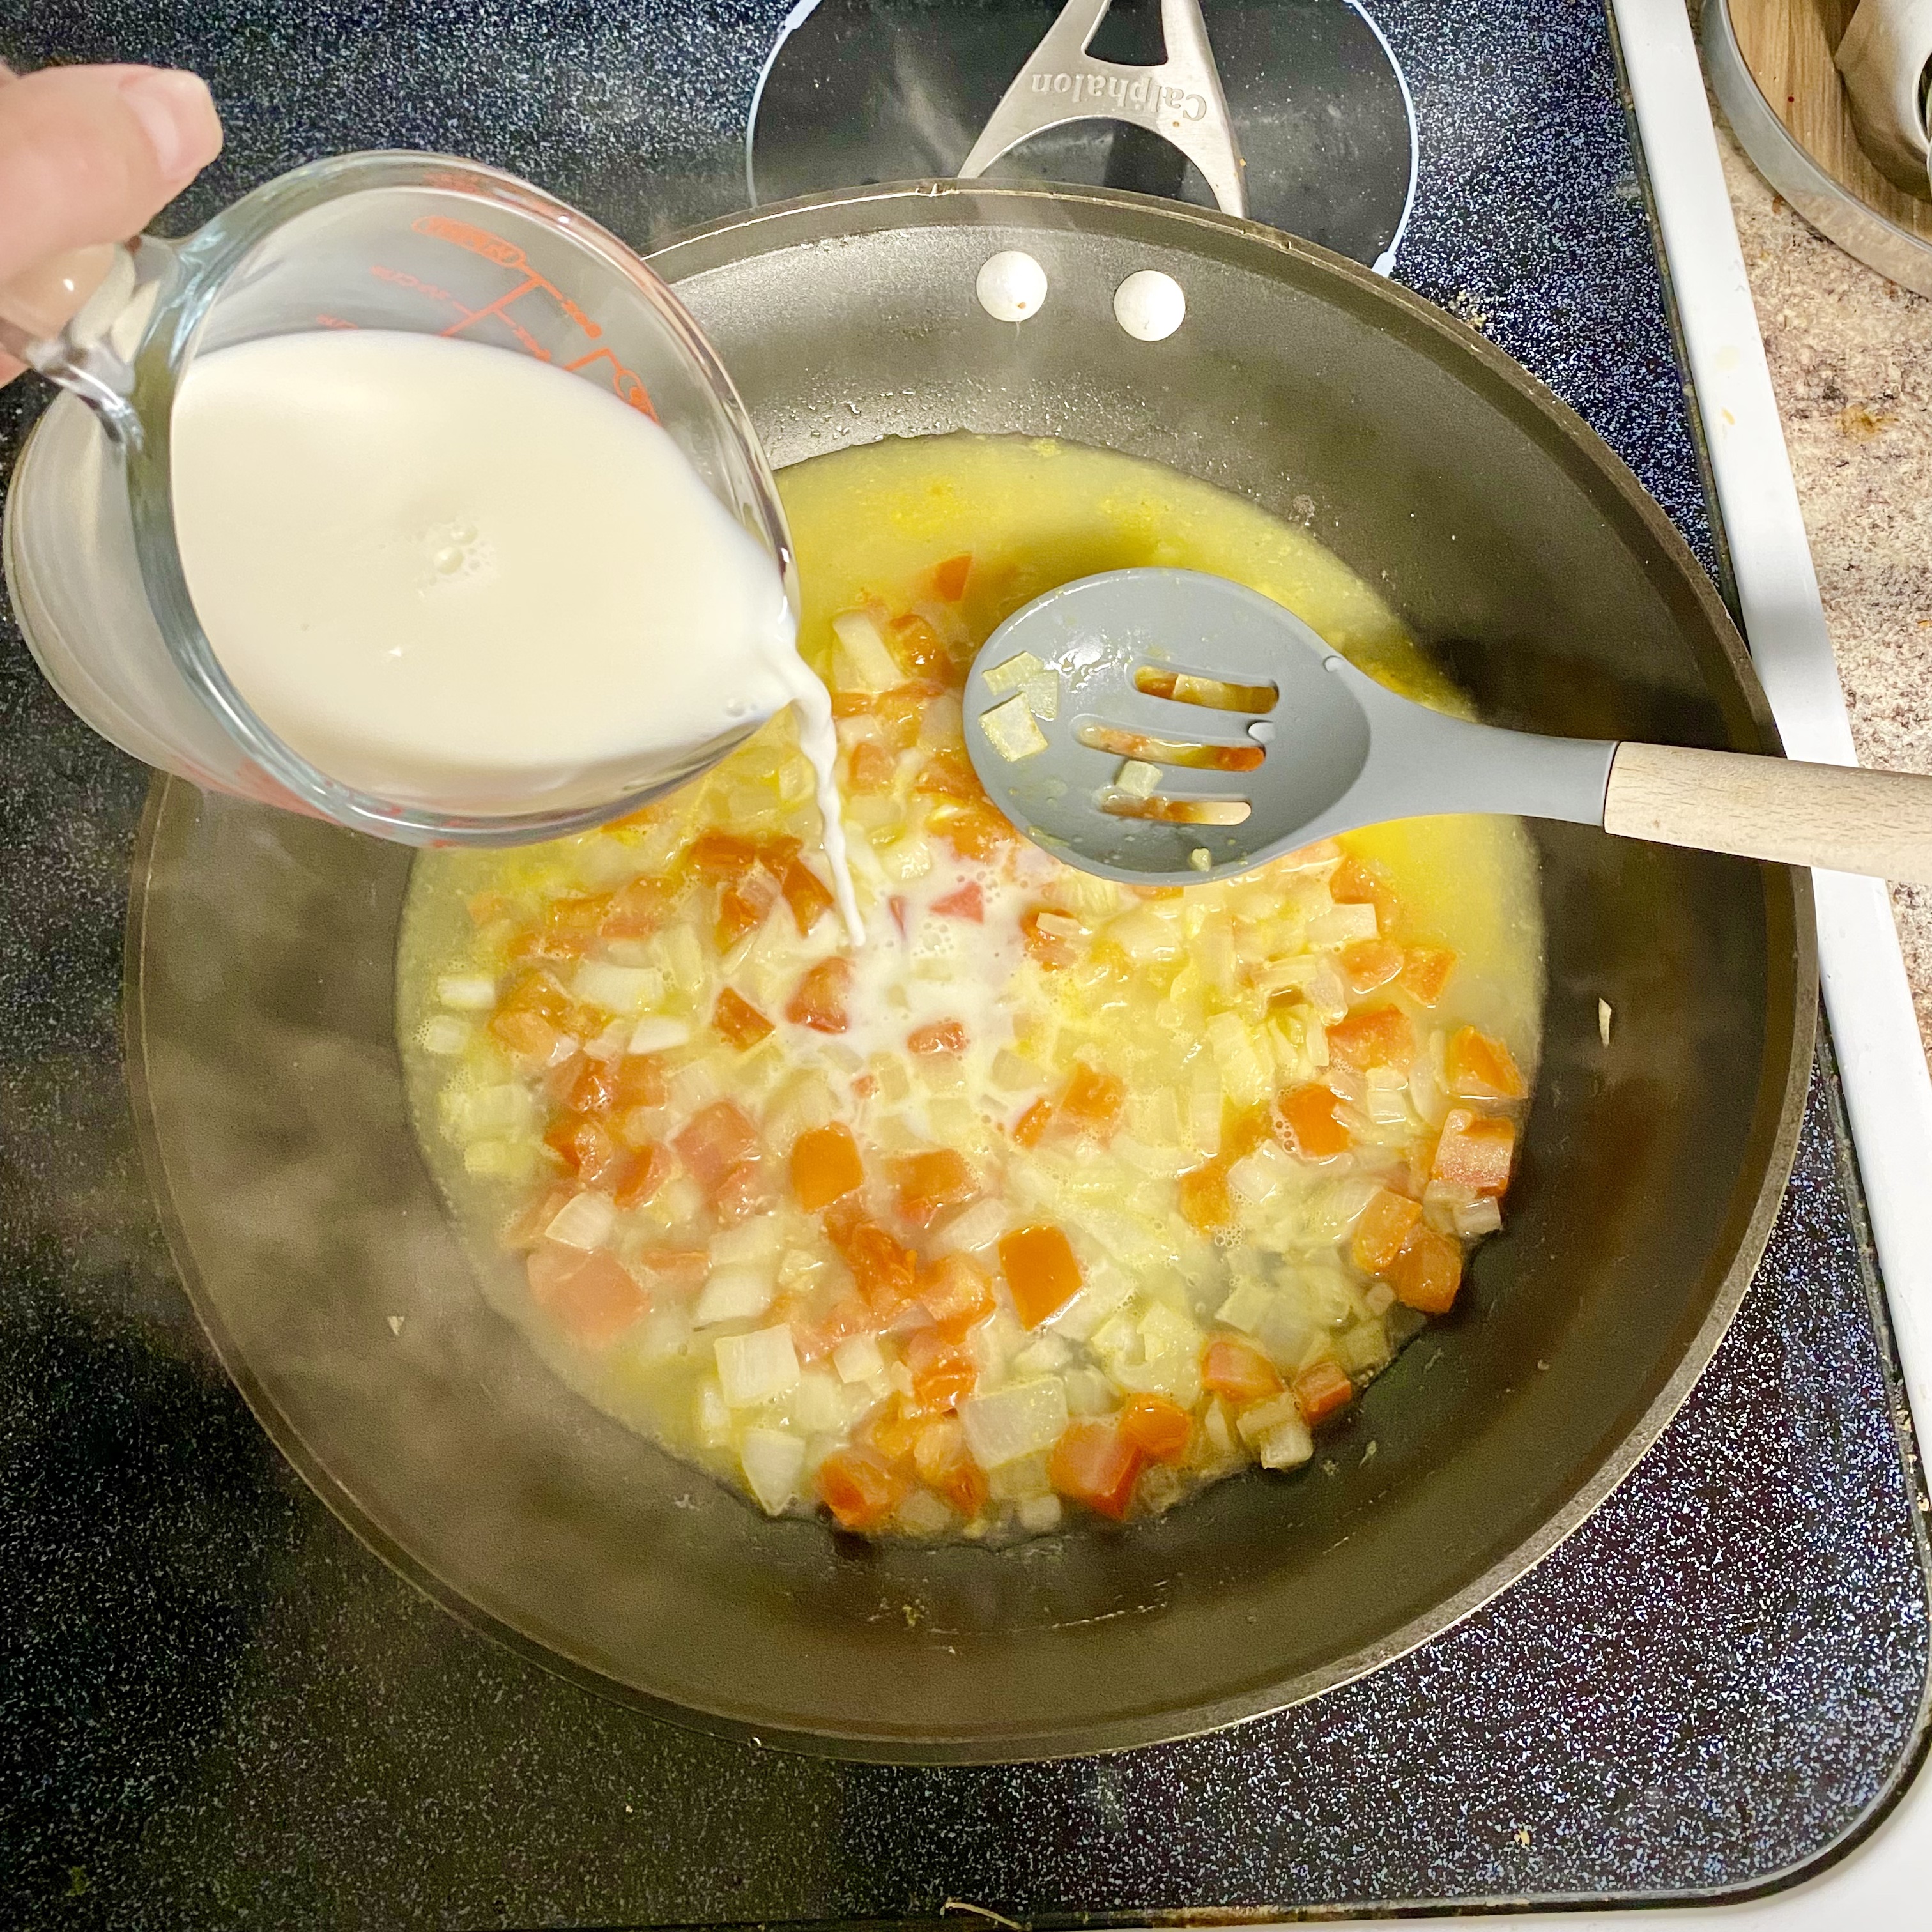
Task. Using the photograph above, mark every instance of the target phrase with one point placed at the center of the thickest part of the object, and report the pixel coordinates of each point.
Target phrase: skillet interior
(261, 958)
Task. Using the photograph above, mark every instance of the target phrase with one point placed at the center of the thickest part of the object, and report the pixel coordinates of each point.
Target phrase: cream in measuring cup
(402, 495)
(446, 571)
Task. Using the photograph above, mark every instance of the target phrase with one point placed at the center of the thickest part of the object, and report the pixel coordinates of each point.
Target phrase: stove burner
(862, 91)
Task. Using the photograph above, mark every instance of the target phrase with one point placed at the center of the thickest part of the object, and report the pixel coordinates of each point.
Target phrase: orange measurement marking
(627, 384)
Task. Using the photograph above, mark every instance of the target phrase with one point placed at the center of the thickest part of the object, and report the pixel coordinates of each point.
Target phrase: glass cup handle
(78, 319)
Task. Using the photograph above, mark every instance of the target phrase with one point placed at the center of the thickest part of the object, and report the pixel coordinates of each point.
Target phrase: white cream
(460, 579)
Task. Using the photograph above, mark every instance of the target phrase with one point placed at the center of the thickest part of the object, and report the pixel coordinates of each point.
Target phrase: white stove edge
(1886, 1879)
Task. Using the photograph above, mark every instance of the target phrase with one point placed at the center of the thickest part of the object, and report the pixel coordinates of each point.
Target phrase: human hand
(91, 154)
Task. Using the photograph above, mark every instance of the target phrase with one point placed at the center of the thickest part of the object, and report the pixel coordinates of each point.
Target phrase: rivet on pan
(1149, 305)
(1012, 286)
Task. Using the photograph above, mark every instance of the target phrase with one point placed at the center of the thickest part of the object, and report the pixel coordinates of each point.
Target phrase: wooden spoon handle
(1839, 817)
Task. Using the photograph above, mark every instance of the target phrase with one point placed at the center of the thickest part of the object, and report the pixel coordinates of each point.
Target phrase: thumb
(90, 153)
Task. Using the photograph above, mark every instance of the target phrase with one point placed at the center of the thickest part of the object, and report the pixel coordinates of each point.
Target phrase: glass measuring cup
(392, 241)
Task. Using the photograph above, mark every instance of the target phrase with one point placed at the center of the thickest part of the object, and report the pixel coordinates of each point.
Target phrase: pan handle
(1838, 816)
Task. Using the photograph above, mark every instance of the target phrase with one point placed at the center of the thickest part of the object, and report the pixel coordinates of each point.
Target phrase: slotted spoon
(1162, 727)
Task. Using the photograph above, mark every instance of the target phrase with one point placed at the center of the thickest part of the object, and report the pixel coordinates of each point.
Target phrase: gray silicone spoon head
(1273, 731)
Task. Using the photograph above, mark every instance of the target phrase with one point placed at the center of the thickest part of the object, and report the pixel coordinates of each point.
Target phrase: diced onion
(976, 1227)
(1038, 1514)
(1246, 1306)
(469, 992)
(444, 1035)
(859, 1359)
(1011, 673)
(921, 1513)
(1022, 1419)
(1343, 926)
(713, 1418)
(584, 1221)
(862, 661)
(733, 1294)
(1201, 859)
(756, 1368)
(618, 989)
(1042, 688)
(1287, 1445)
(818, 1403)
(1603, 1018)
(1011, 731)
(1482, 1216)
(773, 1462)
(1137, 778)
(658, 1033)
(1258, 1418)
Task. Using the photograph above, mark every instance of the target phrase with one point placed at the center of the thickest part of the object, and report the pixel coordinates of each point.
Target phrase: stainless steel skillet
(260, 1007)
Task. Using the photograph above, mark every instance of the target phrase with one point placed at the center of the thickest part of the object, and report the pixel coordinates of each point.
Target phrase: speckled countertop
(1851, 360)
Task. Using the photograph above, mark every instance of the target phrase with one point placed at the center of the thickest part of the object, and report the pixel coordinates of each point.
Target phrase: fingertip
(176, 115)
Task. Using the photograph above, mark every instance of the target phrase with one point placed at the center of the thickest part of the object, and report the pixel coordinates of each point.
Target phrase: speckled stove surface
(217, 1708)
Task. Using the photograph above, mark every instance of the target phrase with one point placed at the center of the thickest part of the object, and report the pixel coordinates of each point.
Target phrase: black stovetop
(218, 1708)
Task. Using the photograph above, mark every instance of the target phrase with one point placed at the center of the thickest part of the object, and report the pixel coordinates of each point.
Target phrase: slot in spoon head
(1131, 722)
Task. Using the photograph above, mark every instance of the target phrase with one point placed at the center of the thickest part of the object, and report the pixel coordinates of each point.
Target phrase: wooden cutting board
(1788, 46)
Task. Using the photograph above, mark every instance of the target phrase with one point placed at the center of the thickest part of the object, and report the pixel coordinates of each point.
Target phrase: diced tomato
(778, 851)
(539, 942)
(1238, 1370)
(743, 1192)
(893, 1432)
(945, 1466)
(1095, 1464)
(526, 1230)
(1205, 1202)
(593, 1087)
(1355, 882)
(1160, 1430)
(900, 907)
(916, 645)
(721, 856)
(974, 831)
(579, 916)
(640, 1081)
(486, 908)
(1042, 1272)
(742, 906)
(1093, 1101)
(1479, 1068)
(529, 1037)
(885, 1269)
(825, 1166)
(966, 902)
(948, 579)
(900, 711)
(936, 1178)
(676, 1270)
(559, 1080)
(937, 1037)
(1321, 1389)
(848, 1317)
(636, 911)
(1370, 963)
(1052, 950)
(1427, 1273)
(712, 1143)
(741, 1023)
(860, 1489)
(1425, 971)
(1474, 1150)
(947, 774)
(820, 1001)
(957, 1293)
(1031, 1128)
(645, 1169)
(870, 768)
(807, 894)
(1385, 1225)
(593, 1298)
(1307, 1115)
(851, 703)
(864, 1086)
(585, 1146)
(1373, 1036)
(943, 1375)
